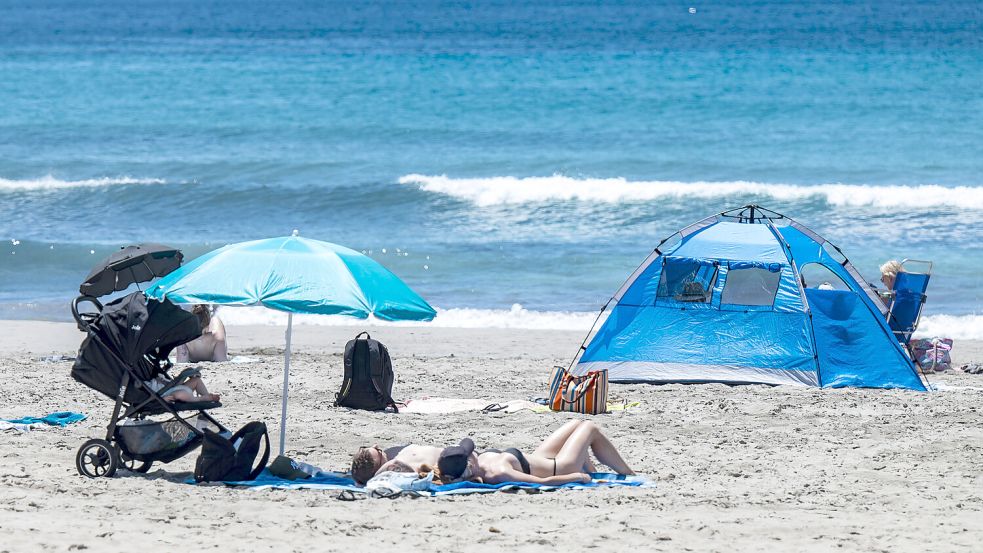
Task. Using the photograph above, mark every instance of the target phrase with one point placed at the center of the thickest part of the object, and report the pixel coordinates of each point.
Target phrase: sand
(743, 468)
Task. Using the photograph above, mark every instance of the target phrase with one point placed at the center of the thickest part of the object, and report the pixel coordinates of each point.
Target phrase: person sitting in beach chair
(452, 463)
(889, 273)
(563, 457)
(211, 346)
(907, 297)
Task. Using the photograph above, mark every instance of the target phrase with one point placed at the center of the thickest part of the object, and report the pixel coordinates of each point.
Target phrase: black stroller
(127, 343)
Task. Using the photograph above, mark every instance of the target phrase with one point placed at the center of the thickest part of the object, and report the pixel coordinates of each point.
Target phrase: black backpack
(369, 376)
(221, 461)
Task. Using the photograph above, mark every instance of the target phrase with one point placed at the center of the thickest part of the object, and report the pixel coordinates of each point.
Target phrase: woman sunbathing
(561, 458)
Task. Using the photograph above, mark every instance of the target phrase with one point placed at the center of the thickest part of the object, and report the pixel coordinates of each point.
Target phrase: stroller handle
(85, 319)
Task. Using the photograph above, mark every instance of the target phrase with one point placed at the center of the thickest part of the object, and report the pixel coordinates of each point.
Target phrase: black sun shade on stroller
(127, 343)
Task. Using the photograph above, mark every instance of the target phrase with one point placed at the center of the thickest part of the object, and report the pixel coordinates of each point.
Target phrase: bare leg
(589, 466)
(182, 395)
(574, 453)
(551, 446)
(198, 385)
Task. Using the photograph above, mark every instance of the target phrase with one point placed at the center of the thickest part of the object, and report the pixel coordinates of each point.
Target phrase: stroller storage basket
(150, 437)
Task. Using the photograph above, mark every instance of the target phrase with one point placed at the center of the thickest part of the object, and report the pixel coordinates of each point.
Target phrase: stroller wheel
(133, 465)
(96, 458)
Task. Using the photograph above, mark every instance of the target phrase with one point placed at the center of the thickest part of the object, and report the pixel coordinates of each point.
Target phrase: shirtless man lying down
(451, 463)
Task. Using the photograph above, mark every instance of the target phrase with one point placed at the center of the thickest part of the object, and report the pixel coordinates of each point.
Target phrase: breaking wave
(51, 183)
(957, 327)
(515, 190)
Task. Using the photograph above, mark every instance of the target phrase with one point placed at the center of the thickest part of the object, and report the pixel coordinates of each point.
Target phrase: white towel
(19, 427)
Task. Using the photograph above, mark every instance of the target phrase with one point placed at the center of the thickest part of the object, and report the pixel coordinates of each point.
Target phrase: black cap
(453, 461)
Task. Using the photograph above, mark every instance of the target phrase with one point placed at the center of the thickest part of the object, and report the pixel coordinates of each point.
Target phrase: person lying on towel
(563, 457)
(452, 463)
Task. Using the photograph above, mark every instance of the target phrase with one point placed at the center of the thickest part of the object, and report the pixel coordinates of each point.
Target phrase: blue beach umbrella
(295, 275)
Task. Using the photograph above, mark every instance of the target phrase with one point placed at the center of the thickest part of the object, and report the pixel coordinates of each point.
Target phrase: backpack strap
(376, 361)
(346, 383)
(359, 335)
(264, 459)
(266, 451)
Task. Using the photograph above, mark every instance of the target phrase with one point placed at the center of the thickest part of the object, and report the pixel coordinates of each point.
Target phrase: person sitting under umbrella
(211, 345)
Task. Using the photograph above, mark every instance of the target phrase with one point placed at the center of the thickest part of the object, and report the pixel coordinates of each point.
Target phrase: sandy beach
(747, 468)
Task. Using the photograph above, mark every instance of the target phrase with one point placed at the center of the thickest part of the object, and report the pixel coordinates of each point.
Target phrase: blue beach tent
(749, 296)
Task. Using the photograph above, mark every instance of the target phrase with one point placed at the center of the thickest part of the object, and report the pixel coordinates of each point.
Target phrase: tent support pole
(583, 345)
(286, 381)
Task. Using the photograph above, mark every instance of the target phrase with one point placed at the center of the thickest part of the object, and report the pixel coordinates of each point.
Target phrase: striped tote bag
(579, 394)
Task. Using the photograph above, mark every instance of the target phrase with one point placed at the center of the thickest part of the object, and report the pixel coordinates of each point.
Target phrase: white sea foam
(516, 317)
(51, 183)
(515, 190)
(957, 327)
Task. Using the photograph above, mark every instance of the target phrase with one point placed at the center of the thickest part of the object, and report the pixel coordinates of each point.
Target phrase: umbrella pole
(286, 378)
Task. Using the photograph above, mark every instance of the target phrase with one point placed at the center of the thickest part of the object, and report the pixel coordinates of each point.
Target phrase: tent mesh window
(816, 275)
(750, 286)
(687, 280)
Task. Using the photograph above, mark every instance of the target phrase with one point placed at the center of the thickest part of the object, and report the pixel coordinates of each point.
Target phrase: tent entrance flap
(850, 344)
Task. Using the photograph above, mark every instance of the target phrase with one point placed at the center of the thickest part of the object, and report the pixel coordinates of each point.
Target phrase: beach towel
(60, 418)
(26, 424)
(342, 482)
(458, 405)
(5, 425)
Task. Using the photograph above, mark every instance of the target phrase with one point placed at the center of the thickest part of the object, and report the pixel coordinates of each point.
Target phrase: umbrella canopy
(296, 275)
(131, 264)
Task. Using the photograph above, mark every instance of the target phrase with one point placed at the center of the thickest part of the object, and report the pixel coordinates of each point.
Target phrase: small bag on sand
(579, 394)
(933, 354)
(232, 459)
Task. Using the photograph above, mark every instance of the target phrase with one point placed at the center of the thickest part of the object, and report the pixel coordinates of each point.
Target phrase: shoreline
(53, 338)
(56, 338)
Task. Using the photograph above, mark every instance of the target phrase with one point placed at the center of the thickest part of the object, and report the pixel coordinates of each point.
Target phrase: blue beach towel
(61, 418)
(342, 482)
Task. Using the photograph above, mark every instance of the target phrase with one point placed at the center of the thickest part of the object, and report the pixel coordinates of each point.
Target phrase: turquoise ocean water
(491, 154)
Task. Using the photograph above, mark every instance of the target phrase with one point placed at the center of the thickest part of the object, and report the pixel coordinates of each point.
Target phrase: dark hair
(204, 315)
(363, 466)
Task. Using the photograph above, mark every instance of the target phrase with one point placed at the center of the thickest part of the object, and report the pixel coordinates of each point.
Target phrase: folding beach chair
(909, 298)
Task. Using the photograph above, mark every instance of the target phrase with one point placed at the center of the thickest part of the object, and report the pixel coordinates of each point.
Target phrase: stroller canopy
(131, 332)
(135, 326)
(749, 296)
